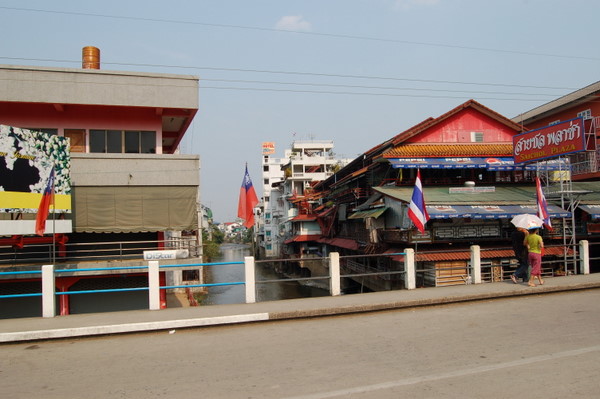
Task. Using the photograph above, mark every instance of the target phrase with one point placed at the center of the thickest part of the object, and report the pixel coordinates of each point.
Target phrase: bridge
(96, 324)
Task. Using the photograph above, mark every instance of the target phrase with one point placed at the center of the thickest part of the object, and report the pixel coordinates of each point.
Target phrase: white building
(286, 187)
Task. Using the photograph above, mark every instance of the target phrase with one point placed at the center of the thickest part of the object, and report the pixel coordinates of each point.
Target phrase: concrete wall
(97, 87)
(97, 169)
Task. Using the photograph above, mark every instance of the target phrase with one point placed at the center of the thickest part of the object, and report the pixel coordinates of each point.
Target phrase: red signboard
(549, 142)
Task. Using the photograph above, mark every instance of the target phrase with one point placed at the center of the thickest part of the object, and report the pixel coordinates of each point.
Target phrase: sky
(353, 71)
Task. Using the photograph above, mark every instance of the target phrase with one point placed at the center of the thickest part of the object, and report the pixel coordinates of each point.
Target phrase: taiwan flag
(44, 208)
(417, 212)
(542, 205)
(247, 201)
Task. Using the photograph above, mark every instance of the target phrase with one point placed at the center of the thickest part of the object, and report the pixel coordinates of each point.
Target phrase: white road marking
(450, 374)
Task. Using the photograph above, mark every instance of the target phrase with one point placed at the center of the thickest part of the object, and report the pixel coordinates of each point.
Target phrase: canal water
(235, 273)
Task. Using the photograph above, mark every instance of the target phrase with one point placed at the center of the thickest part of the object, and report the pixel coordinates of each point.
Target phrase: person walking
(518, 243)
(535, 245)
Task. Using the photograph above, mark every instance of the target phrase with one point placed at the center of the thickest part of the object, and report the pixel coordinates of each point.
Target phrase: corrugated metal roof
(449, 150)
(484, 254)
(369, 213)
(556, 105)
(502, 195)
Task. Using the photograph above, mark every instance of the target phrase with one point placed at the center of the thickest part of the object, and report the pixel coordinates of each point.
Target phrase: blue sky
(353, 71)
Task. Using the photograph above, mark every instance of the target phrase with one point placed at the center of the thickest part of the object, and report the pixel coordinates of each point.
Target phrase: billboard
(550, 141)
(268, 148)
(26, 159)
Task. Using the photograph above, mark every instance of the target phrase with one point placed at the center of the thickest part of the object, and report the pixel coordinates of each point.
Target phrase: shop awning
(340, 242)
(369, 213)
(499, 163)
(592, 209)
(126, 209)
(489, 211)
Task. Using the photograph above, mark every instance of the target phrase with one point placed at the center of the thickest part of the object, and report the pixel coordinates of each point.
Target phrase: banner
(27, 158)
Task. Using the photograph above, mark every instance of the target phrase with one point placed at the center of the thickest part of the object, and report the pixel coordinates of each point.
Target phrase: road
(545, 346)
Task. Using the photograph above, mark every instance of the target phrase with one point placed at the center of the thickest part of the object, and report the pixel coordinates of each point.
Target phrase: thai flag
(417, 212)
(44, 208)
(542, 205)
(248, 200)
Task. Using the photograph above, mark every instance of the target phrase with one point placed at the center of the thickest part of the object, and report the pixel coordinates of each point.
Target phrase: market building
(472, 189)
(581, 187)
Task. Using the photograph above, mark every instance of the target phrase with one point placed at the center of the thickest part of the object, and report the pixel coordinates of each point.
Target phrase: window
(587, 114)
(268, 233)
(76, 139)
(265, 181)
(190, 275)
(266, 198)
(265, 168)
(118, 141)
(269, 247)
(477, 137)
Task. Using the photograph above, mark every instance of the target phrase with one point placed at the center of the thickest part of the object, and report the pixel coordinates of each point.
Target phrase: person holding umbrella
(535, 245)
(523, 223)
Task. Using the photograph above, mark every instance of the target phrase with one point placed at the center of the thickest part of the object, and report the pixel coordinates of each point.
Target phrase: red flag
(417, 211)
(248, 200)
(44, 208)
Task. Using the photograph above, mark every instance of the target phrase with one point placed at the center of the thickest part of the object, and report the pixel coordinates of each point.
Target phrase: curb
(90, 331)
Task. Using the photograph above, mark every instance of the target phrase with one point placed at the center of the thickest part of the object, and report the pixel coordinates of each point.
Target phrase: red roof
(341, 242)
(484, 254)
(303, 238)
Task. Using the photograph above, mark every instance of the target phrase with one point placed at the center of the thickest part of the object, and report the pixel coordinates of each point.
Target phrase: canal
(264, 292)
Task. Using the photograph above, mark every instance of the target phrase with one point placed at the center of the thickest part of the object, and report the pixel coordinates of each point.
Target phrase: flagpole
(53, 227)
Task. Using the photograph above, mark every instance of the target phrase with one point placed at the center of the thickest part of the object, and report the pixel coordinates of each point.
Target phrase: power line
(369, 87)
(319, 34)
(361, 93)
(297, 73)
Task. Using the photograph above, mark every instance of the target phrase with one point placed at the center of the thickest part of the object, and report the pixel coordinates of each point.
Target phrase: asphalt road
(544, 346)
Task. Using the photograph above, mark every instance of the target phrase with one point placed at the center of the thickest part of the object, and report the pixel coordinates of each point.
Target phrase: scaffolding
(556, 179)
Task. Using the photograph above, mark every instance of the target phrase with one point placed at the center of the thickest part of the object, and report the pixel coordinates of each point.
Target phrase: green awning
(369, 213)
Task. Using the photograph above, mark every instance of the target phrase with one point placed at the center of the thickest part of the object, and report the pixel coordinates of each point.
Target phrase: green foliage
(211, 243)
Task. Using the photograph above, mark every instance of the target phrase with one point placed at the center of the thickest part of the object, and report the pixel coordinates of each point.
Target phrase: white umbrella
(527, 221)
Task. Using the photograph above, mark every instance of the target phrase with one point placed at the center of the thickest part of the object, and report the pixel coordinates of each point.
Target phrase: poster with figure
(26, 159)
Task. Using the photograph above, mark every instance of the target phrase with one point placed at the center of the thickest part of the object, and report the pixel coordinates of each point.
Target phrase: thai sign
(26, 159)
(550, 141)
(268, 148)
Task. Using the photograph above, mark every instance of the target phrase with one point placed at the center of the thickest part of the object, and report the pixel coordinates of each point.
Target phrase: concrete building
(287, 184)
(128, 182)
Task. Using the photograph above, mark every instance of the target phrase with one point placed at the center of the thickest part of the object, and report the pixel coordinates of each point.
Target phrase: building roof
(501, 195)
(449, 150)
(588, 93)
(402, 137)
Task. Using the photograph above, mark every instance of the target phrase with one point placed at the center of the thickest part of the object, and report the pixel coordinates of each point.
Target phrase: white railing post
(584, 257)
(334, 274)
(48, 291)
(410, 278)
(250, 279)
(154, 285)
(476, 264)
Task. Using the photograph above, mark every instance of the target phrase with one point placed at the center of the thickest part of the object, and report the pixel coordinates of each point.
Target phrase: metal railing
(470, 273)
(91, 251)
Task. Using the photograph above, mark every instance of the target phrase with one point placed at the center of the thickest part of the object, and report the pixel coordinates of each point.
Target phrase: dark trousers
(523, 269)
